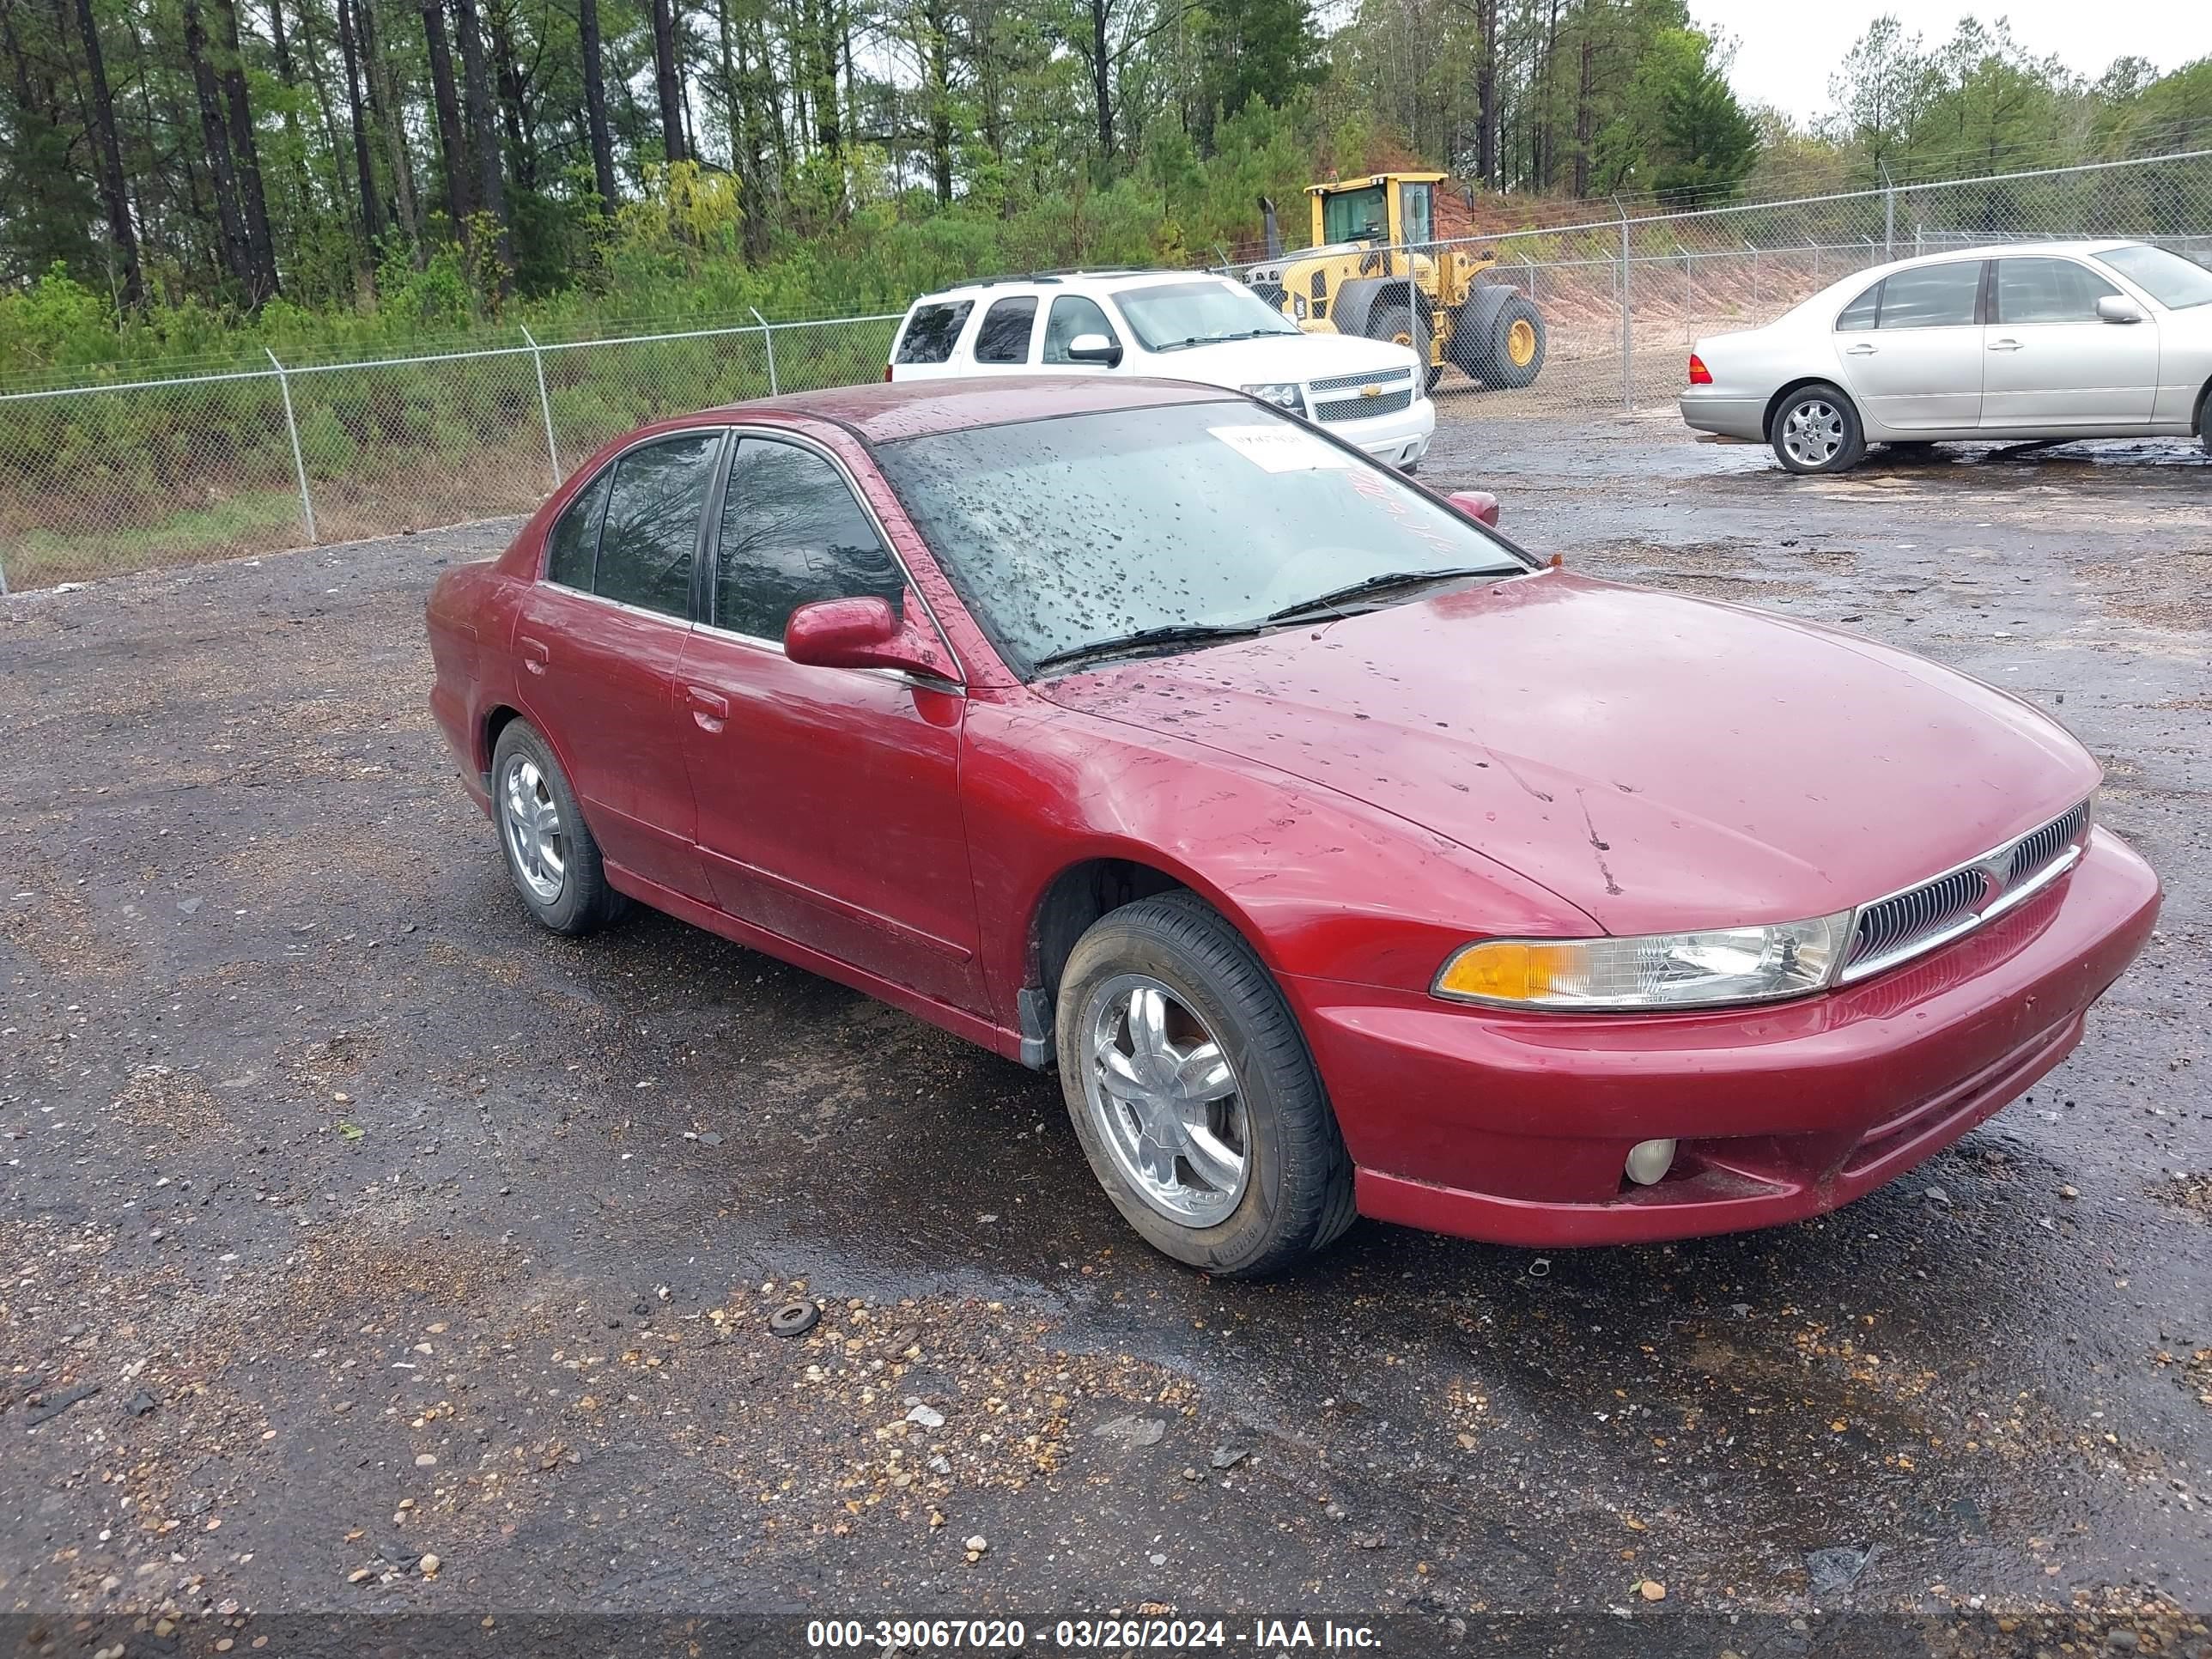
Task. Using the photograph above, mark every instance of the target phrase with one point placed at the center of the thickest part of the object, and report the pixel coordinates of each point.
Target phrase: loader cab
(1384, 208)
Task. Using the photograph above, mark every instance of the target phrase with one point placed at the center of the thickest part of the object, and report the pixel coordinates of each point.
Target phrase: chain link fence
(1623, 298)
(100, 479)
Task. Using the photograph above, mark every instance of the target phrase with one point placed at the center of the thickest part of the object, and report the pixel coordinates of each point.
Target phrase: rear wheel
(1816, 430)
(551, 857)
(1192, 1091)
(1393, 323)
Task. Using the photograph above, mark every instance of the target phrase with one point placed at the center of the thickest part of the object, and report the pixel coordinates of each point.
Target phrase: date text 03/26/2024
(1263, 1635)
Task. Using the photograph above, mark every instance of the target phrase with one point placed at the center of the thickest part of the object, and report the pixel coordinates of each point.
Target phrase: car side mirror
(1094, 349)
(2118, 308)
(1478, 504)
(865, 633)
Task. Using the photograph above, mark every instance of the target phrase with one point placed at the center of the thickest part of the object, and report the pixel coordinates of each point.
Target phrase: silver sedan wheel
(1164, 1100)
(531, 818)
(1813, 431)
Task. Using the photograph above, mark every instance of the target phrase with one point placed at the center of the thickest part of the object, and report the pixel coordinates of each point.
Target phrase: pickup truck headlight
(1283, 395)
(1660, 970)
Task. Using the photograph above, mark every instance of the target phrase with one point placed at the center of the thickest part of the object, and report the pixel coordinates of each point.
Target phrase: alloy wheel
(531, 818)
(1165, 1098)
(1813, 432)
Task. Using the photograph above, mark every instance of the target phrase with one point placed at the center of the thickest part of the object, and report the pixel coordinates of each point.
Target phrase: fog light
(1649, 1160)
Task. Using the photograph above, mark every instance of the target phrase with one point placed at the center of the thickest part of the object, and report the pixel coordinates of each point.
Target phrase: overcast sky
(1785, 53)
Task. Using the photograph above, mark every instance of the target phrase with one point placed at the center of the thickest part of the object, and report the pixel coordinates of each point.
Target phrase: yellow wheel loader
(1358, 277)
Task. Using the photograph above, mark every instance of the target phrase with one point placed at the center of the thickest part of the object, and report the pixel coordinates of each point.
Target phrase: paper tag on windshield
(1281, 447)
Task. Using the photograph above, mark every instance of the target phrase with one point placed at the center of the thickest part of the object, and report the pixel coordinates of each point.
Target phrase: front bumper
(1399, 439)
(1729, 415)
(1514, 1127)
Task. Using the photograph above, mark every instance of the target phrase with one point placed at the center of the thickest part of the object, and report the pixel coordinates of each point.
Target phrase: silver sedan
(2041, 340)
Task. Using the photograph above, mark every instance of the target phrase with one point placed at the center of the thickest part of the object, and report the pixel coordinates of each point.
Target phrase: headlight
(1663, 970)
(1282, 395)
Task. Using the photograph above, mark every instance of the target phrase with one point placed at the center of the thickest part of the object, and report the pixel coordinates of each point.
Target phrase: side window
(1073, 314)
(574, 544)
(1416, 212)
(1004, 335)
(791, 533)
(1931, 296)
(1861, 312)
(931, 332)
(653, 523)
(2048, 291)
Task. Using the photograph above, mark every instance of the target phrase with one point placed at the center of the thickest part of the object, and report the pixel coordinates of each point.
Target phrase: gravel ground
(362, 1248)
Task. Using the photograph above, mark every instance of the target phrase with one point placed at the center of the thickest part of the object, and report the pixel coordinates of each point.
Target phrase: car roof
(882, 412)
(1072, 280)
(1997, 251)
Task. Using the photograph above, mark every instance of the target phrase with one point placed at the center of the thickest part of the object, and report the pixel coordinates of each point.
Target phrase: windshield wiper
(1164, 634)
(1374, 586)
(1223, 339)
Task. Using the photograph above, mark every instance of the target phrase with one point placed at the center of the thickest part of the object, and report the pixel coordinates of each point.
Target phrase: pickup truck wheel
(1816, 430)
(1194, 1095)
(551, 855)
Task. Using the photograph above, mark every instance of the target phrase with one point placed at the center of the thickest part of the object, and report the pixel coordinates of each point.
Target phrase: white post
(768, 339)
(299, 462)
(545, 403)
(1686, 300)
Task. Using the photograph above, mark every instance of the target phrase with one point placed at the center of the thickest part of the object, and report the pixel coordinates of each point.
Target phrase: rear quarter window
(931, 332)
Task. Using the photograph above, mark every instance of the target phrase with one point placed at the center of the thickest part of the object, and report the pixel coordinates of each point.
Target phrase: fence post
(768, 339)
(1627, 329)
(1688, 303)
(1888, 215)
(299, 462)
(1530, 266)
(545, 403)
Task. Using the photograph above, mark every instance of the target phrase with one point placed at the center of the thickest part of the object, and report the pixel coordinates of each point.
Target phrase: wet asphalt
(422, 1261)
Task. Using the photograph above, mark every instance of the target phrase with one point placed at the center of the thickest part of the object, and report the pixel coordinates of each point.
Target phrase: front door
(2052, 362)
(601, 639)
(828, 797)
(1919, 367)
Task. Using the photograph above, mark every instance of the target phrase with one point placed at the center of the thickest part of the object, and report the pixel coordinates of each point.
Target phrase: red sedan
(1339, 856)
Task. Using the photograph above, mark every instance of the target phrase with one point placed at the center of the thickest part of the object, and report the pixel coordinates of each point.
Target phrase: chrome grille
(2034, 850)
(1362, 408)
(1345, 382)
(1926, 910)
(1897, 928)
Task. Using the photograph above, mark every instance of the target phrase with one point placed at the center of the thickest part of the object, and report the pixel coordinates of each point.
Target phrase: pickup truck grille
(1363, 408)
(1901, 927)
(1348, 382)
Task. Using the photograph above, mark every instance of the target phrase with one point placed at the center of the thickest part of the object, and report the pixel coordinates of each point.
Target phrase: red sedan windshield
(1062, 532)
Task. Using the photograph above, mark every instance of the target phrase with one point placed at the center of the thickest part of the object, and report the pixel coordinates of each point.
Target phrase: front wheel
(1192, 1093)
(1815, 429)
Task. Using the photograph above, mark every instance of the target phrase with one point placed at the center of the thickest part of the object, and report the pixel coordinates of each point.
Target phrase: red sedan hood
(1660, 762)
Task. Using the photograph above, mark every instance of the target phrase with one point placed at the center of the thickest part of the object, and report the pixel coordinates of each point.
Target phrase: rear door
(1002, 342)
(925, 347)
(601, 639)
(1918, 369)
(2052, 363)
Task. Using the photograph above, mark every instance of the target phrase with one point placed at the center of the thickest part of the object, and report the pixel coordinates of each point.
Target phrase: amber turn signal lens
(1699, 374)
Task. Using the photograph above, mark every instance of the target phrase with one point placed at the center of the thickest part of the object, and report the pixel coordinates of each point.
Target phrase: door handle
(709, 708)
(535, 656)
(2004, 345)
(1860, 351)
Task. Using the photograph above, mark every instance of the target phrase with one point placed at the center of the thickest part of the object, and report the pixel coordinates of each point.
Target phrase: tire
(1827, 437)
(1395, 323)
(562, 880)
(1291, 1192)
(1436, 373)
(1510, 355)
